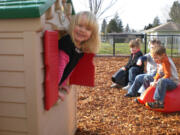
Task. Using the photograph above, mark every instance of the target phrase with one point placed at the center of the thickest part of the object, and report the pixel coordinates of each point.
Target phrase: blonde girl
(82, 37)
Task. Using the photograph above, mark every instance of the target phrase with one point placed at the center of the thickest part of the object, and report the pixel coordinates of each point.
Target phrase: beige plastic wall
(22, 83)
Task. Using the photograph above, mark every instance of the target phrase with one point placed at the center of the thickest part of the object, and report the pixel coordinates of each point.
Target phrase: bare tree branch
(106, 8)
(96, 6)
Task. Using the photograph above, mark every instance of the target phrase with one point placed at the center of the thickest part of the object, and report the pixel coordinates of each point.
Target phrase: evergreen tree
(148, 27)
(115, 25)
(104, 27)
(175, 12)
(120, 26)
(112, 26)
(127, 29)
(156, 22)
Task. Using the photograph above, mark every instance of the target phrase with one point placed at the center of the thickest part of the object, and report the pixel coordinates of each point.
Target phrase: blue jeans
(132, 73)
(162, 86)
(139, 82)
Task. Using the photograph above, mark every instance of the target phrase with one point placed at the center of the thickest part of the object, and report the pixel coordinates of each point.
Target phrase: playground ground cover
(102, 110)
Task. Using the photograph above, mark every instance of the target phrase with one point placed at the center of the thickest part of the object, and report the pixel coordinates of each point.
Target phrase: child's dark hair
(159, 50)
(155, 41)
(135, 43)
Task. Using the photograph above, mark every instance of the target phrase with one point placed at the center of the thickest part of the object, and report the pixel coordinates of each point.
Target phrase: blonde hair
(91, 45)
(135, 43)
(159, 50)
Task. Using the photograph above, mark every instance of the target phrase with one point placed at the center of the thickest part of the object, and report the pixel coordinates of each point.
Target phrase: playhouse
(22, 69)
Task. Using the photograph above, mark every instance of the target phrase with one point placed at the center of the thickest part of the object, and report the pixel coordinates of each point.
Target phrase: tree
(104, 27)
(127, 29)
(120, 26)
(175, 12)
(98, 7)
(112, 26)
(115, 25)
(156, 22)
(148, 27)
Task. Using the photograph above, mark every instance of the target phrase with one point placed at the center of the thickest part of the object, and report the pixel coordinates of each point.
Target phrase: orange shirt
(166, 69)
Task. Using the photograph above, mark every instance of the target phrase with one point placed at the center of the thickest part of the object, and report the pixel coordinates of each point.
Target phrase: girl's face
(81, 31)
(134, 49)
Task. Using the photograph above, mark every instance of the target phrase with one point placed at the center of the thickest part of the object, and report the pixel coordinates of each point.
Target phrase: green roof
(23, 8)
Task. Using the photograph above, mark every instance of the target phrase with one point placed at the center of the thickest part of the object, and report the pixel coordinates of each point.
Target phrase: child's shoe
(115, 85)
(136, 101)
(131, 95)
(126, 87)
(155, 105)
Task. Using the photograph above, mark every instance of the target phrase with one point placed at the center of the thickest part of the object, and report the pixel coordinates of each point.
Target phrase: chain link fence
(117, 44)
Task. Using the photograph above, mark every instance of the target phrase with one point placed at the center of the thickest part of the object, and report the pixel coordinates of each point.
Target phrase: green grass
(123, 49)
(120, 48)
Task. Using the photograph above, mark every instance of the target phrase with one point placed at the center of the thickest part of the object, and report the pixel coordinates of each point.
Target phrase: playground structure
(22, 70)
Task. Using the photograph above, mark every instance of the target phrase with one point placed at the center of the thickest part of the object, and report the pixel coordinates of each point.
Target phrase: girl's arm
(135, 59)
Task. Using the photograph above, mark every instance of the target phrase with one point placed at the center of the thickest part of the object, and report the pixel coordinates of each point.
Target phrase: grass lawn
(123, 49)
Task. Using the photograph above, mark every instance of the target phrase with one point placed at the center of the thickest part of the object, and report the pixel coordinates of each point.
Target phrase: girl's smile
(81, 31)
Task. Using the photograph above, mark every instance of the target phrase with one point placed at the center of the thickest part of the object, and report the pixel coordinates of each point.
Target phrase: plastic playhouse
(22, 69)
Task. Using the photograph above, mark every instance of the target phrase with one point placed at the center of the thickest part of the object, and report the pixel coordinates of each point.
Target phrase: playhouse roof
(167, 27)
(23, 8)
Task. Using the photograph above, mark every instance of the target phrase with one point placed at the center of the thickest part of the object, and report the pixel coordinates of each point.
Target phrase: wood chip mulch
(102, 110)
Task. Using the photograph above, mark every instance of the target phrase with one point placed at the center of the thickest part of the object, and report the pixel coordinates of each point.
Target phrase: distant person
(126, 74)
(165, 79)
(139, 85)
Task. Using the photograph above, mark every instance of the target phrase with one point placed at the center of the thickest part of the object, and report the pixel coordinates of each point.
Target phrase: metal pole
(113, 46)
(145, 42)
(172, 46)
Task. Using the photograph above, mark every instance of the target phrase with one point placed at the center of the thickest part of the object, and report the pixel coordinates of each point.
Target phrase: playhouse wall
(22, 84)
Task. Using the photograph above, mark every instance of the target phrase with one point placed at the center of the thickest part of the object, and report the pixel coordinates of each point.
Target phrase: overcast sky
(136, 13)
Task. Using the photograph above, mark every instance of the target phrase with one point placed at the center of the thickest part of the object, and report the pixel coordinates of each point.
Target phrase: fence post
(172, 46)
(113, 46)
(145, 42)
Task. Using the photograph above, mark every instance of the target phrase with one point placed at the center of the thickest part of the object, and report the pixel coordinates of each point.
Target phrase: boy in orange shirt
(165, 79)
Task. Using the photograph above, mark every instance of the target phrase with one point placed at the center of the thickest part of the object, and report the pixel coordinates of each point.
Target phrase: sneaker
(128, 95)
(155, 105)
(126, 87)
(115, 85)
(136, 101)
(131, 95)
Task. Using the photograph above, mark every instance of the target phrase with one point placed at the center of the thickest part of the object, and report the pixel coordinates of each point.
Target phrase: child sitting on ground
(165, 79)
(151, 68)
(127, 74)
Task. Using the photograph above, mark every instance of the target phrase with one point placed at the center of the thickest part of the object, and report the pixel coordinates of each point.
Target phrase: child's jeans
(133, 72)
(163, 84)
(140, 81)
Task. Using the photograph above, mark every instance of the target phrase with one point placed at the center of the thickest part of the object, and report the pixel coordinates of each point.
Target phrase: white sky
(136, 13)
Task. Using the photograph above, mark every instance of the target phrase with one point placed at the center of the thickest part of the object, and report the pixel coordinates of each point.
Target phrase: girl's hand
(61, 95)
(66, 88)
(123, 68)
(139, 62)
